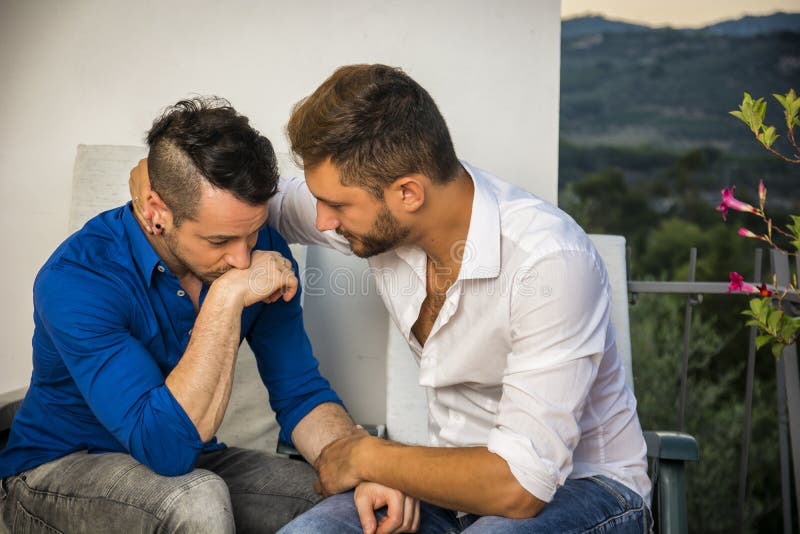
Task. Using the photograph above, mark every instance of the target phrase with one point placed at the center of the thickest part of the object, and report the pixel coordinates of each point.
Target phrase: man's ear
(407, 193)
(162, 215)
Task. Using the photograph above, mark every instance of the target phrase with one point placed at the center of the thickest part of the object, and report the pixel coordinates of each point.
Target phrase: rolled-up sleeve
(560, 313)
(87, 316)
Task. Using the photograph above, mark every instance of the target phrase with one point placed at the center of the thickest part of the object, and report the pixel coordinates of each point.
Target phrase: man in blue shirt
(137, 327)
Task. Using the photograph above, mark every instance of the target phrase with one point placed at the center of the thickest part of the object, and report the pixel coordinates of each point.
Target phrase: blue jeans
(594, 504)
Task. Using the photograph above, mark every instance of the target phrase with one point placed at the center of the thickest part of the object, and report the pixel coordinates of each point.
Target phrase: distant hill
(579, 26)
(672, 89)
(742, 27)
(749, 26)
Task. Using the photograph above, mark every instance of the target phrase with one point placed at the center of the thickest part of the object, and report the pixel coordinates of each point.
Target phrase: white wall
(98, 72)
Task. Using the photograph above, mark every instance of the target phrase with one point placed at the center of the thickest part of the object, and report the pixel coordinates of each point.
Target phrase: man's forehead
(221, 214)
(324, 182)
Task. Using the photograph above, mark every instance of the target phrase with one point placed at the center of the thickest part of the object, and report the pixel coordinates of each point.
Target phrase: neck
(159, 244)
(444, 234)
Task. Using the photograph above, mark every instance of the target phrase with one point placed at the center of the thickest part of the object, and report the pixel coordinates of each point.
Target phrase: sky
(676, 13)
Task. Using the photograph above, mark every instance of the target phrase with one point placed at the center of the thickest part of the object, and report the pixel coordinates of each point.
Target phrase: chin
(209, 278)
(367, 252)
(361, 253)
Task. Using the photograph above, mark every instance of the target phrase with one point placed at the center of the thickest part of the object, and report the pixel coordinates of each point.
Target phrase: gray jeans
(229, 490)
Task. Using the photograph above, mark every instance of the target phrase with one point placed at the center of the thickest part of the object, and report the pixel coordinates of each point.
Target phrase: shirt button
(161, 268)
(181, 292)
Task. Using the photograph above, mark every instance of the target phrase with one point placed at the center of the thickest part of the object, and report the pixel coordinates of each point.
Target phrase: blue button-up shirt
(111, 322)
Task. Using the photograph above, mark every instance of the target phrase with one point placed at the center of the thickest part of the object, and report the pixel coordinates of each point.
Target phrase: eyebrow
(225, 236)
(329, 201)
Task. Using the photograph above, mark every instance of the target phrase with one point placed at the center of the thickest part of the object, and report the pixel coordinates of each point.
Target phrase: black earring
(158, 226)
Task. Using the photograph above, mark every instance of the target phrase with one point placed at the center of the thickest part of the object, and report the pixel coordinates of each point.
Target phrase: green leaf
(777, 350)
(791, 105)
(792, 102)
(739, 115)
(768, 136)
(762, 340)
(788, 330)
(753, 323)
(795, 226)
(759, 110)
(765, 311)
(752, 112)
(774, 319)
(757, 311)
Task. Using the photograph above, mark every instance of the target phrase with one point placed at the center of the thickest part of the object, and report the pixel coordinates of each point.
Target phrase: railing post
(789, 375)
(783, 445)
(687, 330)
(748, 406)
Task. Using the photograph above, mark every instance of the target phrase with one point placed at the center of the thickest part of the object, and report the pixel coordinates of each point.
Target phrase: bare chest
(437, 285)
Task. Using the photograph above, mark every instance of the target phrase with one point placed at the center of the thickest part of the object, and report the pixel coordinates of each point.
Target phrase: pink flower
(728, 202)
(744, 232)
(762, 193)
(738, 284)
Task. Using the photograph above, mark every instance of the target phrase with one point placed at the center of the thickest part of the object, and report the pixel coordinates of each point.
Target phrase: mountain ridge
(672, 88)
(746, 26)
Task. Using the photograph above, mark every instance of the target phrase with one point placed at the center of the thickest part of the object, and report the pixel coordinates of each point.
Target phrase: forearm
(201, 382)
(469, 479)
(322, 425)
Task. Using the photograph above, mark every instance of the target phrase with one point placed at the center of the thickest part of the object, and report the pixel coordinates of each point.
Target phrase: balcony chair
(667, 452)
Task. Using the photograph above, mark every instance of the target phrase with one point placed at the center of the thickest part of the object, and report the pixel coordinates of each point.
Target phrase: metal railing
(787, 374)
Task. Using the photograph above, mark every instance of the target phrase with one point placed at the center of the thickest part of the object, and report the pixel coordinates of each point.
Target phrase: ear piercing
(158, 226)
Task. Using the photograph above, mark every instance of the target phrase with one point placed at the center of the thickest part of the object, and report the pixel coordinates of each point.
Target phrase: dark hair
(205, 139)
(376, 124)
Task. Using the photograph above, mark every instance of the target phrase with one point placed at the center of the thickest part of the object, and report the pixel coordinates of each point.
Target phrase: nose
(238, 256)
(326, 218)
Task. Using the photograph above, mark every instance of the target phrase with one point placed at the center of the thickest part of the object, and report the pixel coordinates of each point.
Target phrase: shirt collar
(144, 256)
(482, 250)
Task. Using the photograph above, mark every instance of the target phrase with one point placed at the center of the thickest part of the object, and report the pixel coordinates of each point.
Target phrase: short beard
(385, 234)
(174, 248)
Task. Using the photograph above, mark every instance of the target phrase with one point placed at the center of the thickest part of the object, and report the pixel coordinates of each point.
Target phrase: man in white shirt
(506, 306)
(509, 316)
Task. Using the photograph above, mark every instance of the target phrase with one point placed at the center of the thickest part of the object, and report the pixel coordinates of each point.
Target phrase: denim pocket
(27, 523)
(609, 487)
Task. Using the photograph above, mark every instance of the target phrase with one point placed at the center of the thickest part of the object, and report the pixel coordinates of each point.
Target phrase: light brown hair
(376, 124)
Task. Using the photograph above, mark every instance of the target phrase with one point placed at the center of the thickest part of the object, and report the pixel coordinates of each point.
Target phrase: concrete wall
(98, 72)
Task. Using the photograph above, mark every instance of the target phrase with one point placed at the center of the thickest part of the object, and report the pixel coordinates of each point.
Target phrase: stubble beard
(173, 245)
(386, 234)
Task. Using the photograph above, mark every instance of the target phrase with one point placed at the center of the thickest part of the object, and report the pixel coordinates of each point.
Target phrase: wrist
(368, 455)
(225, 292)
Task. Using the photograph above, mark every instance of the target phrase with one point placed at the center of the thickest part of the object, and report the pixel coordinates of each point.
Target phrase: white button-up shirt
(522, 357)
